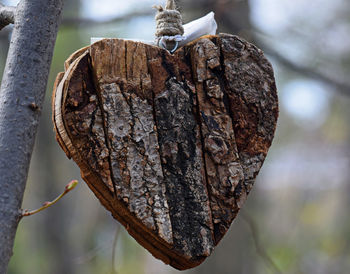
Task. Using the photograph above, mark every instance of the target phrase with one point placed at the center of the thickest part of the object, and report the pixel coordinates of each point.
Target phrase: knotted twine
(169, 30)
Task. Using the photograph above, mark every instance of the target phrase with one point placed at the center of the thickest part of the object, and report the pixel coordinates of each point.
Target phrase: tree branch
(67, 189)
(114, 250)
(7, 15)
(342, 87)
(85, 22)
(23, 86)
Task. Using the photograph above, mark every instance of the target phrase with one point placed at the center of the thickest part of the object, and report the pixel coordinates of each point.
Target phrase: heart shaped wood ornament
(169, 143)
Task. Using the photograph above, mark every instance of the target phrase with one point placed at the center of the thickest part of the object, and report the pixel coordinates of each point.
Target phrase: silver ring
(164, 45)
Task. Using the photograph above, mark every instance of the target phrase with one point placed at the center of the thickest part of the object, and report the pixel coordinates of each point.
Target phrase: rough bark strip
(223, 168)
(182, 158)
(251, 89)
(178, 131)
(131, 134)
(182, 164)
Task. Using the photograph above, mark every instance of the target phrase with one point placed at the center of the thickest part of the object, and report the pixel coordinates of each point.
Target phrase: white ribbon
(205, 25)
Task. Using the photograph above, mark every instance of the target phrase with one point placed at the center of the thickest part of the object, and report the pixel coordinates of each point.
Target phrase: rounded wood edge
(72, 58)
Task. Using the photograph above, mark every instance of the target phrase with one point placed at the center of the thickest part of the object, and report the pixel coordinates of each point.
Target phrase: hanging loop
(165, 45)
(169, 31)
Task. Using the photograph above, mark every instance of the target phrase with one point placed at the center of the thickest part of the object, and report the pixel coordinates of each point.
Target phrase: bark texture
(170, 144)
(21, 96)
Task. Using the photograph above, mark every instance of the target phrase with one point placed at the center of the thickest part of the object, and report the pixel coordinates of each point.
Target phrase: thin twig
(91, 254)
(259, 247)
(340, 86)
(114, 249)
(67, 189)
(7, 15)
(94, 252)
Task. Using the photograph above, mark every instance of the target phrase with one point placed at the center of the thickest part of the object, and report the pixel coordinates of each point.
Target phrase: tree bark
(21, 98)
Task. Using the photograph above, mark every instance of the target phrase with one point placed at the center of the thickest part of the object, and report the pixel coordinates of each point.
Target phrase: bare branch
(340, 86)
(67, 189)
(84, 22)
(115, 242)
(7, 15)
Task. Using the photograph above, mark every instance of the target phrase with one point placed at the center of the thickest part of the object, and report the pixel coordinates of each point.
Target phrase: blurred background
(296, 218)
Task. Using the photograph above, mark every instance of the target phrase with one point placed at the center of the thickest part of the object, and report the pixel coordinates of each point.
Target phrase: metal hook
(163, 44)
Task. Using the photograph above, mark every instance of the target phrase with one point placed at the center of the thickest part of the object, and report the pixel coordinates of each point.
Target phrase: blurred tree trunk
(72, 8)
(21, 98)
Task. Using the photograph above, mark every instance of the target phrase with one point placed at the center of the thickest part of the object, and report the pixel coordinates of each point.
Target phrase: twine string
(169, 30)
